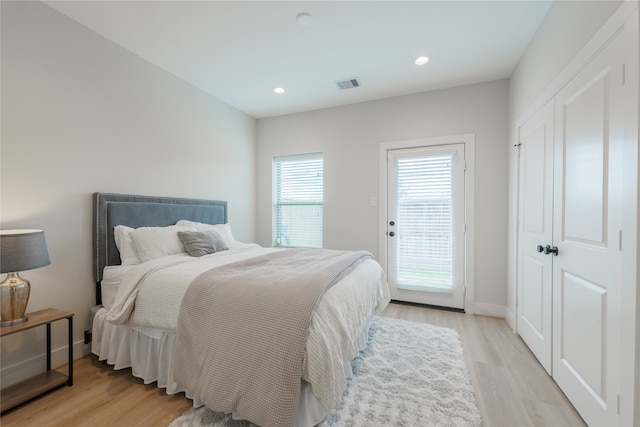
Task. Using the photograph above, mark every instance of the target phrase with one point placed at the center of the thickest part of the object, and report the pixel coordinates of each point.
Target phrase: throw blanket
(243, 327)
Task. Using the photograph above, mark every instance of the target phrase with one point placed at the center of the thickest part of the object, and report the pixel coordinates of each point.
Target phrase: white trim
(510, 318)
(469, 141)
(630, 293)
(493, 310)
(516, 299)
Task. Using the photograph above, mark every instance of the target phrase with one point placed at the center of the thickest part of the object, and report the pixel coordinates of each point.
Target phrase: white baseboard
(494, 310)
(35, 365)
(510, 318)
(485, 309)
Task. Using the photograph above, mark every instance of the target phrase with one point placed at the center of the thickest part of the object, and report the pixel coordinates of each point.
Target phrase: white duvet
(150, 294)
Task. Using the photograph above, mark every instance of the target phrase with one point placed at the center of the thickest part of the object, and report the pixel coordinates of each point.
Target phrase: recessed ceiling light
(304, 19)
(421, 60)
(279, 90)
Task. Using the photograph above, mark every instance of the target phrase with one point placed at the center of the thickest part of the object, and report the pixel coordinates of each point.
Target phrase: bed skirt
(149, 354)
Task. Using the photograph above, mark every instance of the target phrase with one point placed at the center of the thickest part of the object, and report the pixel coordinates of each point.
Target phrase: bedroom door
(535, 232)
(426, 224)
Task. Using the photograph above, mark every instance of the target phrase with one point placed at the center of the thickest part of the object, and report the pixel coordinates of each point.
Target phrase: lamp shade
(22, 250)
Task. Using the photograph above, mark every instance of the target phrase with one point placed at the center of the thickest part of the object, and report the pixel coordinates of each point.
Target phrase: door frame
(469, 141)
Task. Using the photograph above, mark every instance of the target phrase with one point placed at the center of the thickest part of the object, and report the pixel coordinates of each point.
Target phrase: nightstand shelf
(35, 386)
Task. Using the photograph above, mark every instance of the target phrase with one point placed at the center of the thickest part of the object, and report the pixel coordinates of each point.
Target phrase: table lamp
(19, 250)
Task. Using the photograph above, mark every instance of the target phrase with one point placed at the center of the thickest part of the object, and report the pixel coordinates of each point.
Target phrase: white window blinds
(297, 200)
(425, 220)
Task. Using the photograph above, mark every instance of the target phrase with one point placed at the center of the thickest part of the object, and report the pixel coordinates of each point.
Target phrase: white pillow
(224, 230)
(154, 242)
(128, 254)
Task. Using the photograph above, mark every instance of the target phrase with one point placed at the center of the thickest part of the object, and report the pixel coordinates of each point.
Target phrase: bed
(176, 302)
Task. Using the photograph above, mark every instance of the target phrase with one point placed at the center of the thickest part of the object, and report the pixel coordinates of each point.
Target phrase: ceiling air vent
(348, 83)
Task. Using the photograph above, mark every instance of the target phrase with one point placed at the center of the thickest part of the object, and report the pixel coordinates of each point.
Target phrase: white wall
(565, 30)
(349, 138)
(80, 115)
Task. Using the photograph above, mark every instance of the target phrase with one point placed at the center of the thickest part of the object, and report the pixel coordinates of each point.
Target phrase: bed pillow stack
(146, 243)
(137, 245)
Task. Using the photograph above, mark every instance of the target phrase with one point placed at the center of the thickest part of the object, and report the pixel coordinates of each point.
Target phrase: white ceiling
(238, 51)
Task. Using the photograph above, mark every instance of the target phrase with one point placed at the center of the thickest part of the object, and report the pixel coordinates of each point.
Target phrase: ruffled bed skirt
(149, 354)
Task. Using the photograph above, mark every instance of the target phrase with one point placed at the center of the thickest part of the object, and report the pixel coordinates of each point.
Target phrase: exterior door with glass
(426, 224)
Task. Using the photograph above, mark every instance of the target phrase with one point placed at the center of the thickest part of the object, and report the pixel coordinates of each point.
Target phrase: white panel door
(587, 230)
(535, 233)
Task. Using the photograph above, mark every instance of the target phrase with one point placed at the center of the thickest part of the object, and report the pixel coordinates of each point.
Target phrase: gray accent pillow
(198, 243)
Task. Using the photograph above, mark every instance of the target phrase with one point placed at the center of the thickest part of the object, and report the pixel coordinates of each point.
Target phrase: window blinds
(425, 220)
(298, 198)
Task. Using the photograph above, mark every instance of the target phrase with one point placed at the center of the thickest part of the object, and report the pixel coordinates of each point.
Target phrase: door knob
(547, 250)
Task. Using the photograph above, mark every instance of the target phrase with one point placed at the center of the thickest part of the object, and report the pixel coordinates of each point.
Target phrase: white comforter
(150, 294)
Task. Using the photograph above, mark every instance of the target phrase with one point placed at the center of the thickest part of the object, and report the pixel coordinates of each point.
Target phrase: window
(297, 200)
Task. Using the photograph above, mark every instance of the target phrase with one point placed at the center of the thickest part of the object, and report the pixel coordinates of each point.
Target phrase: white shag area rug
(410, 374)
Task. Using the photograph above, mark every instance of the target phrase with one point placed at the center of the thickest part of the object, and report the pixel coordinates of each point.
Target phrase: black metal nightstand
(35, 386)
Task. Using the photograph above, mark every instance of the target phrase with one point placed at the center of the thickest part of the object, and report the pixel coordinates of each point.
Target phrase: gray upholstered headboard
(110, 210)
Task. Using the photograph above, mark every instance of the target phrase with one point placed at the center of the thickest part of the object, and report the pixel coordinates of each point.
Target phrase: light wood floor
(511, 388)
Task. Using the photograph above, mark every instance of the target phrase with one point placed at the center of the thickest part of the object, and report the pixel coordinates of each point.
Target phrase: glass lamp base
(14, 296)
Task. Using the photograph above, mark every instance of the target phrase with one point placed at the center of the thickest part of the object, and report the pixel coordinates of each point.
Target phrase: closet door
(587, 231)
(535, 232)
